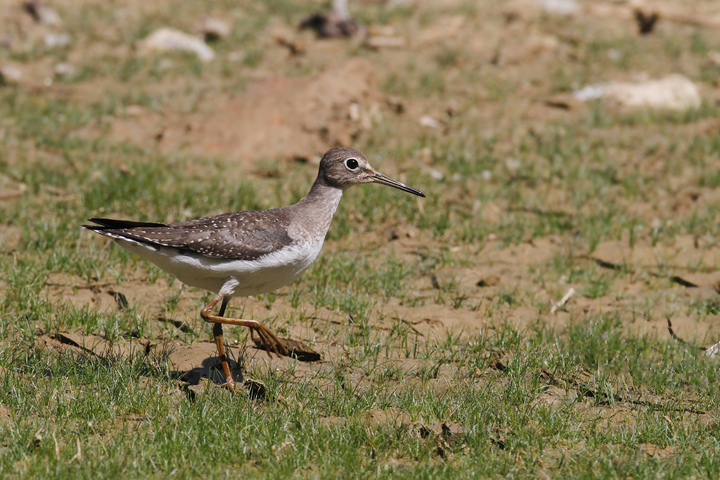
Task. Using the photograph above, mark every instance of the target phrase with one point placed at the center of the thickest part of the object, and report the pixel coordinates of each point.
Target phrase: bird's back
(232, 236)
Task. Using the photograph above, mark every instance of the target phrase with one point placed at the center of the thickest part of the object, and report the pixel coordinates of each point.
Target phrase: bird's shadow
(212, 370)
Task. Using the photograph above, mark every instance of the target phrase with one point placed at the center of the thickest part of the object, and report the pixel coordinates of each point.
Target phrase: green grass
(579, 393)
(128, 418)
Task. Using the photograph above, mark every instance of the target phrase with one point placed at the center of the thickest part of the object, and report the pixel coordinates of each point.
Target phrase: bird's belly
(234, 278)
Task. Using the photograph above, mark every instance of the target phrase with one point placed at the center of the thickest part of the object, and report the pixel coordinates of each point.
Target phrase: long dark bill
(384, 180)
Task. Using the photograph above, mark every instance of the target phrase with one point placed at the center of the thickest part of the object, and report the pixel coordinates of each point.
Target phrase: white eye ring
(352, 164)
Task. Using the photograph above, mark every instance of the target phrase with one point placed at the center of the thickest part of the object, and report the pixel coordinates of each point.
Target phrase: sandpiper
(248, 253)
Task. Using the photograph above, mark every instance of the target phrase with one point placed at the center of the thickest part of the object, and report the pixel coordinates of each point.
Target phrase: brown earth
(278, 116)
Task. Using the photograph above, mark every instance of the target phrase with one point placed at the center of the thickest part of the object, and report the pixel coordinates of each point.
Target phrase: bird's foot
(268, 340)
(296, 349)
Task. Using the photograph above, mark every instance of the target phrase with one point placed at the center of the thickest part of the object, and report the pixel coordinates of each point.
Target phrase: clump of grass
(520, 399)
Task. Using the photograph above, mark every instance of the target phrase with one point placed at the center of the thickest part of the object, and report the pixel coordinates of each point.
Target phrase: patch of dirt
(5, 415)
(555, 396)
(10, 237)
(443, 429)
(77, 291)
(652, 450)
(437, 320)
(684, 253)
(512, 91)
(280, 118)
(101, 347)
(692, 329)
(391, 416)
(539, 251)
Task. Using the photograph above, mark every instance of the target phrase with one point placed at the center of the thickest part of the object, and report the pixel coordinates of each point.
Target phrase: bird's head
(344, 167)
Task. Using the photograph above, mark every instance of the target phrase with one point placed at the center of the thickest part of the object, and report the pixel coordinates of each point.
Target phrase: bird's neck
(318, 207)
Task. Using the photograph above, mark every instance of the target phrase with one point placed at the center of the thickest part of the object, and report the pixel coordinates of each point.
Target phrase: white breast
(234, 278)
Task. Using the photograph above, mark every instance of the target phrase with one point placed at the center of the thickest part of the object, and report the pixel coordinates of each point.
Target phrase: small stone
(212, 29)
(714, 58)
(41, 13)
(382, 41)
(134, 110)
(451, 429)
(489, 281)
(66, 70)
(561, 7)
(427, 121)
(395, 104)
(336, 23)
(713, 351)
(674, 92)
(56, 40)
(9, 75)
(512, 164)
(171, 40)
(329, 26)
(563, 101)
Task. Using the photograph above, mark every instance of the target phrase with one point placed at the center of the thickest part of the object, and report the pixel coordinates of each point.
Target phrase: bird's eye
(351, 164)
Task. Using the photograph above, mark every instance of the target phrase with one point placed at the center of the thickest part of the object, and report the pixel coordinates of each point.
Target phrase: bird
(248, 253)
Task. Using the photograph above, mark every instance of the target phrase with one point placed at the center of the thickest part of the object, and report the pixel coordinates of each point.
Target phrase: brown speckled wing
(233, 236)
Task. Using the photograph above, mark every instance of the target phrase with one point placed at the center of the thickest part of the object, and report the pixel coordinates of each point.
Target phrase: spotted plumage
(232, 236)
(247, 253)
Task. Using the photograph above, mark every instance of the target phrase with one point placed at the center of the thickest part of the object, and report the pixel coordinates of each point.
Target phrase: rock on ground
(169, 39)
(674, 92)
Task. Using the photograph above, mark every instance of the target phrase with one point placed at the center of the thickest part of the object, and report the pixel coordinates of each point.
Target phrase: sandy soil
(340, 100)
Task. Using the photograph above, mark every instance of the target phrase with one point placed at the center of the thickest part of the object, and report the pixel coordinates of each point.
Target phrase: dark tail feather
(119, 224)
